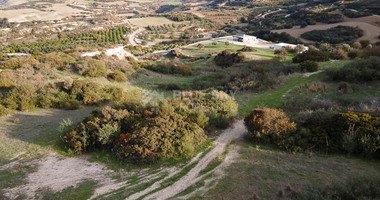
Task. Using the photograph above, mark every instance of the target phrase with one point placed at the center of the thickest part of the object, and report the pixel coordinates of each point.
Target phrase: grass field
(150, 21)
(262, 172)
(210, 49)
(272, 98)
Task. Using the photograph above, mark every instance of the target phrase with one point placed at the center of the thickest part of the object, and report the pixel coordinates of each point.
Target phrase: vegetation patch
(334, 35)
(145, 134)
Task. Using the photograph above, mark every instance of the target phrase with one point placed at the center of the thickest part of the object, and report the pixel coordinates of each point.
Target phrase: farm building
(244, 38)
(282, 45)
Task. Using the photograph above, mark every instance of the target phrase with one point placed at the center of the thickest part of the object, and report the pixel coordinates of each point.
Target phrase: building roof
(285, 44)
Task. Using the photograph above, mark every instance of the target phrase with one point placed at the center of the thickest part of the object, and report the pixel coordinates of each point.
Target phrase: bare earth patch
(56, 174)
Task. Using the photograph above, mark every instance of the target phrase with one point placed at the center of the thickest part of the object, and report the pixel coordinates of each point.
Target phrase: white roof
(285, 44)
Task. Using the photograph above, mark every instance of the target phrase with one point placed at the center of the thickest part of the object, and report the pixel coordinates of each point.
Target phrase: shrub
(65, 126)
(309, 66)
(227, 58)
(339, 54)
(268, 125)
(248, 49)
(117, 76)
(140, 134)
(365, 53)
(87, 91)
(352, 54)
(94, 68)
(18, 62)
(318, 87)
(4, 110)
(217, 105)
(66, 101)
(311, 55)
(349, 132)
(21, 98)
(58, 60)
(357, 71)
(334, 35)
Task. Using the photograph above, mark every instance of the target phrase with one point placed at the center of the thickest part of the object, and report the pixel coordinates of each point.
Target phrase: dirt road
(236, 131)
(132, 36)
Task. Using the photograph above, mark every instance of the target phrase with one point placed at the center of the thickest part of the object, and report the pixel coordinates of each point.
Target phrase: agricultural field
(56, 12)
(150, 21)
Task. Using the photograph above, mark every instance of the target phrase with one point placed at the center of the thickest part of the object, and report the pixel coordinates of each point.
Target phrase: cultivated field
(56, 12)
(150, 21)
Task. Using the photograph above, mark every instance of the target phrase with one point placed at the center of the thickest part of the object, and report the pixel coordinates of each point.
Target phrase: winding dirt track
(236, 131)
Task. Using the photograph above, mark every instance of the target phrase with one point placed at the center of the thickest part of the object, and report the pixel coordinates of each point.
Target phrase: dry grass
(35, 133)
(56, 12)
(150, 21)
(264, 172)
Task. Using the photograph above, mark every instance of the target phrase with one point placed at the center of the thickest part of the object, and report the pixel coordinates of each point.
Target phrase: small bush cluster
(268, 125)
(309, 66)
(311, 55)
(357, 71)
(66, 94)
(145, 134)
(170, 67)
(334, 35)
(227, 58)
(248, 49)
(349, 132)
(117, 76)
(217, 105)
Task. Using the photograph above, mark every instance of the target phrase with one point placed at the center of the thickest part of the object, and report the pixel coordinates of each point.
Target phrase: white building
(244, 38)
(282, 45)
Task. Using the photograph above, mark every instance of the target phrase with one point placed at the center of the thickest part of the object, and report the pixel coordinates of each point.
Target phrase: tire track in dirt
(237, 131)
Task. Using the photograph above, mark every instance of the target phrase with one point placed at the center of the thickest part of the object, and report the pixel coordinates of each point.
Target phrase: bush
(21, 98)
(15, 63)
(4, 110)
(217, 105)
(227, 58)
(334, 35)
(58, 60)
(311, 55)
(269, 125)
(357, 71)
(357, 133)
(94, 68)
(117, 76)
(140, 134)
(365, 53)
(86, 91)
(309, 66)
(248, 49)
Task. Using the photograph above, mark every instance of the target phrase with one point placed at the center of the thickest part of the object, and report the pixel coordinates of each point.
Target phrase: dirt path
(132, 36)
(192, 177)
